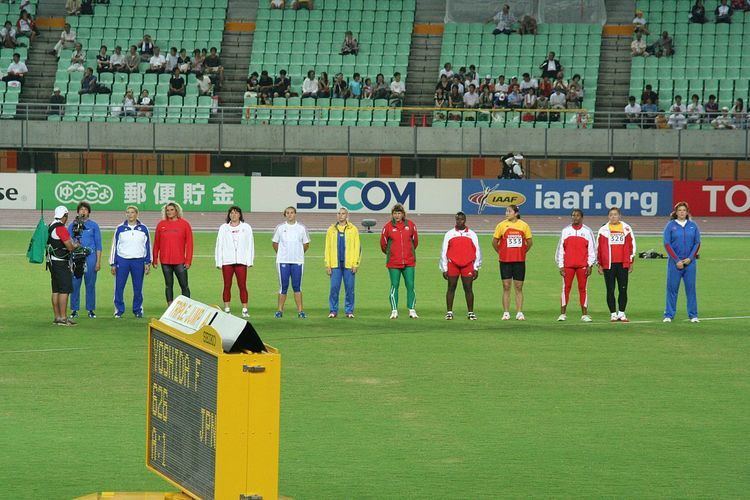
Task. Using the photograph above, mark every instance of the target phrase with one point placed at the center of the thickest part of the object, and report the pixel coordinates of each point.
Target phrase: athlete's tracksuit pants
(90, 278)
(136, 268)
(411, 296)
(688, 275)
(337, 275)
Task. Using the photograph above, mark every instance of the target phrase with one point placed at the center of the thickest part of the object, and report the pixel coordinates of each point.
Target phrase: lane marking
(47, 350)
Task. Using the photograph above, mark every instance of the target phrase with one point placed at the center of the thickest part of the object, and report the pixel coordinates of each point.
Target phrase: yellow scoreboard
(213, 415)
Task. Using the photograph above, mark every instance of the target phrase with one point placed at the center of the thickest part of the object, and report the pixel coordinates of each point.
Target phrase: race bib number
(617, 238)
(514, 241)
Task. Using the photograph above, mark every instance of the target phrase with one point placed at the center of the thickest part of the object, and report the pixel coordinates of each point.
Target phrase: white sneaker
(613, 317)
(666, 320)
(394, 314)
(227, 310)
(562, 317)
(520, 316)
(586, 318)
(695, 320)
(413, 314)
(621, 317)
(506, 316)
(245, 314)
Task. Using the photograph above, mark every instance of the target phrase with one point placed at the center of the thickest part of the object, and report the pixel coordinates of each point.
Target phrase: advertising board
(18, 191)
(714, 197)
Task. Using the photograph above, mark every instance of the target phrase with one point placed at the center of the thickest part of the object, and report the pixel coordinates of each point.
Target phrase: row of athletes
(612, 251)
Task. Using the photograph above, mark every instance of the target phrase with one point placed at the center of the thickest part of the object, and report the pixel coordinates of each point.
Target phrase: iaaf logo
(490, 196)
(75, 191)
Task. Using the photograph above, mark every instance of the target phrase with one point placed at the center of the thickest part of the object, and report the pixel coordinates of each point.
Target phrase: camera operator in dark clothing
(59, 248)
(512, 168)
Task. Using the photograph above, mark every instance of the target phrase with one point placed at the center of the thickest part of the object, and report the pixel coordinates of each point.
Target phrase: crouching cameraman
(86, 233)
(59, 248)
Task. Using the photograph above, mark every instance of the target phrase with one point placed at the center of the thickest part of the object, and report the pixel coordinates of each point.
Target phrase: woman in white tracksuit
(235, 251)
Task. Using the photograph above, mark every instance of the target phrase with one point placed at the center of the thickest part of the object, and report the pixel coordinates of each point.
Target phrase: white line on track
(47, 350)
(718, 318)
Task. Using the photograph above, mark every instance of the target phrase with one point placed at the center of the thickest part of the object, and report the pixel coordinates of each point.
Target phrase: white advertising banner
(359, 195)
(18, 191)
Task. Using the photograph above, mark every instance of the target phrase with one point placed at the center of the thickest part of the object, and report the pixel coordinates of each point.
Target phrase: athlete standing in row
(682, 240)
(616, 250)
(290, 242)
(512, 241)
(576, 254)
(461, 256)
(398, 242)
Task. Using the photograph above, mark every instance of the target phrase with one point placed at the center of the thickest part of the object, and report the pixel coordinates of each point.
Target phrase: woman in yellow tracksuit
(343, 254)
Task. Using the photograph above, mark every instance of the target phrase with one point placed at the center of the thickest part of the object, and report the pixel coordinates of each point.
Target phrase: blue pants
(287, 272)
(338, 274)
(688, 276)
(90, 278)
(125, 268)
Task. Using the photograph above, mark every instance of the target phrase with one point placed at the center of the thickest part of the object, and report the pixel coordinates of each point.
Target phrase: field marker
(47, 350)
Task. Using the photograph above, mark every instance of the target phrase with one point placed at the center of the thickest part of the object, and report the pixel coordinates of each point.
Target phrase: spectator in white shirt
(504, 21)
(529, 98)
(128, 104)
(551, 66)
(204, 84)
(557, 99)
(638, 46)
(501, 86)
(723, 121)
(639, 23)
(677, 119)
(157, 62)
(117, 60)
(8, 36)
(471, 98)
(310, 85)
(16, 70)
(695, 110)
(633, 111)
(77, 59)
(528, 83)
(278, 4)
(398, 89)
(458, 83)
(723, 12)
(447, 71)
(66, 41)
(25, 26)
(172, 59)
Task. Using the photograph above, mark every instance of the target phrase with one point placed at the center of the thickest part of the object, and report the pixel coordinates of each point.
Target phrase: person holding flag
(682, 240)
(460, 257)
(575, 256)
(512, 241)
(343, 254)
(86, 232)
(615, 253)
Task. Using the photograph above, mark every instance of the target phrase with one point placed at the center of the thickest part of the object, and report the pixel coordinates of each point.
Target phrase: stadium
(169, 152)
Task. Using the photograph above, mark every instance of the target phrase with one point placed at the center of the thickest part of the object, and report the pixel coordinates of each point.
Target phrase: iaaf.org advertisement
(363, 195)
(714, 197)
(17, 191)
(492, 196)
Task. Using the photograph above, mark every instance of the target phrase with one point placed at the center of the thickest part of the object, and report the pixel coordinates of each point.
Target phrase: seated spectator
(8, 36)
(461, 74)
(157, 62)
(514, 99)
(367, 89)
(529, 98)
(723, 13)
(528, 83)
(504, 21)
(355, 86)
(698, 13)
(350, 45)
(447, 71)
(471, 98)
(87, 7)
(738, 113)
(557, 100)
(88, 82)
(551, 66)
(528, 25)
(545, 87)
(661, 121)
(500, 101)
(487, 83)
(299, 4)
(500, 85)
(128, 104)
(16, 70)
(117, 60)
(73, 7)
(205, 87)
(638, 46)
(471, 75)
(265, 85)
(695, 110)
(324, 86)
(398, 90)
(145, 104)
(455, 100)
(183, 62)
(443, 84)
(77, 59)
(743, 5)
(56, 103)
(648, 93)
(132, 60)
(486, 99)
(458, 82)
(662, 46)
(282, 86)
(380, 88)
(559, 83)
(172, 59)
(278, 4)
(310, 85)
(197, 64)
(440, 99)
(711, 107)
(251, 85)
(574, 96)
(513, 85)
(542, 103)
(633, 111)
(26, 26)
(66, 41)
(340, 87)
(649, 110)
(677, 119)
(723, 121)
(212, 66)
(102, 60)
(146, 48)
(639, 23)
(176, 83)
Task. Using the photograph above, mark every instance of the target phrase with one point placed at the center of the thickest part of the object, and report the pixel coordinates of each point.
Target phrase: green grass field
(373, 408)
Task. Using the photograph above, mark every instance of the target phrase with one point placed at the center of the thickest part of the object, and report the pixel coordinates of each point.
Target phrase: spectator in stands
(551, 66)
(528, 83)
(380, 88)
(639, 23)
(486, 99)
(471, 75)
(461, 74)
(205, 86)
(88, 82)
(738, 113)
(503, 20)
(398, 90)
(695, 110)
(633, 111)
(648, 93)
(649, 110)
(67, 40)
(574, 96)
(443, 84)
(278, 4)
(458, 82)
(310, 85)
(251, 85)
(698, 13)
(486, 83)
(711, 107)
(557, 100)
(212, 66)
(723, 13)
(265, 85)
(73, 7)
(128, 104)
(132, 60)
(743, 5)
(638, 46)
(661, 122)
(16, 70)
(146, 48)
(500, 85)
(514, 99)
(440, 100)
(171, 58)
(456, 101)
(355, 86)
(157, 62)
(282, 86)
(545, 87)
(662, 47)
(197, 64)
(367, 89)
(723, 121)
(340, 87)
(677, 119)
(26, 26)
(471, 98)
(447, 71)
(350, 45)
(102, 60)
(56, 103)
(87, 8)
(324, 86)
(528, 25)
(77, 59)
(299, 4)
(183, 62)
(117, 60)
(176, 84)
(529, 98)
(500, 101)
(145, 104)
(514, 85)
(8, 36)
(471, 79)
(559, 83)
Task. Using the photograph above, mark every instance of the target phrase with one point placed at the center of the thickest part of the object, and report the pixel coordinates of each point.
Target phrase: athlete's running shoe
(118, 315)
(449, 315)
(350, 315)
(471, 316)
(92, 315)
(245, 314)
(332, 315)
(413, 314)
(278, 314)
(227, 310)
(301, 315)
(520, 316)
(695, 320)
(621, 317)
(613, 317)
(394, 314)
(73, 314)
(586, 318)
(506, 316)
(667, 320)
(562, 317)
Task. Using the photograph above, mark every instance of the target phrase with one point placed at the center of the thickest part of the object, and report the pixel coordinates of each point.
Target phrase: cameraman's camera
(79, 226)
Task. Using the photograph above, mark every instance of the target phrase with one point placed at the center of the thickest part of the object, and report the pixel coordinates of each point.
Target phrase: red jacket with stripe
(576, 248)
(398, 241)
(613, 244)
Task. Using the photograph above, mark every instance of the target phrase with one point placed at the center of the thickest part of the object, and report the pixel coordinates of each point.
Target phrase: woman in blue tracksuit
(682, 239)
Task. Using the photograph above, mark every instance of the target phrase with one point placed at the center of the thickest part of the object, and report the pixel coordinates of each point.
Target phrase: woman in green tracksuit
(398, 241)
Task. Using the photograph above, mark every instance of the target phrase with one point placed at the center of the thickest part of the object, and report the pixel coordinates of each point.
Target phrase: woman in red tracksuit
(461, 256)
(398, 241)
(173, 244)
(576, 254)
(616, 243)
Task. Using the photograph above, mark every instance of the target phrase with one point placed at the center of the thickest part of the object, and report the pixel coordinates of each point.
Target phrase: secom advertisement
(492, 196)
(425, 196)
(714, 198)
(17, 191)
(115, 192)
